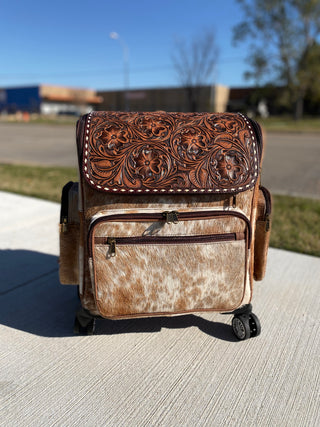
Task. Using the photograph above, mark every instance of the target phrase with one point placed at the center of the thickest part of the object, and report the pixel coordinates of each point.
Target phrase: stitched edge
(170, 191)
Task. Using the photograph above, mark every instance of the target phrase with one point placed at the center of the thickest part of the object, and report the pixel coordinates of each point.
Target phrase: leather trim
(169, 153)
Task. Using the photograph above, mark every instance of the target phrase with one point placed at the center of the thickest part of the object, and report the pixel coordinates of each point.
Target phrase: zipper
(267, 198)
(64, 210)
(177, 216)
(113, 242)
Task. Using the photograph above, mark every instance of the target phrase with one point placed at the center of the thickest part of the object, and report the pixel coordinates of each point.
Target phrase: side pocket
(69, 230)
(262, 234)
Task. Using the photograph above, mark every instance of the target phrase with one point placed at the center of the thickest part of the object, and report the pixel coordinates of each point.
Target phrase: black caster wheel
(255, 327)
(84, 323)
(90, 328)
(241, 327)
(246, 326)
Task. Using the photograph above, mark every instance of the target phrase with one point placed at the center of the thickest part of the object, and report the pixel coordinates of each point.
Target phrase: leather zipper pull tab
(112, 247)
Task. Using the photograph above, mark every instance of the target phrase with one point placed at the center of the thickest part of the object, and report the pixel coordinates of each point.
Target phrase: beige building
(58, 99)
(205, 98)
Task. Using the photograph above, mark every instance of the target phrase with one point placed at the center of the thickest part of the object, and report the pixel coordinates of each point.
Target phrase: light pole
(125, 52)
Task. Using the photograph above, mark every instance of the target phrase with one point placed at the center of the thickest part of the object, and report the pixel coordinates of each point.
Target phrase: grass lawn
(288, 124)
(36, 181)
(295, 226)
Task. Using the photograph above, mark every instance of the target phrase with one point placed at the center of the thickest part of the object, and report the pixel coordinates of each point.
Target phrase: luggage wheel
(84, 323)
(245, 324)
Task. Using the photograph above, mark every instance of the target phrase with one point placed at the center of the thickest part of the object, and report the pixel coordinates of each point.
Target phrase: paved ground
(291, 163)
(38, 144)
(185, 371)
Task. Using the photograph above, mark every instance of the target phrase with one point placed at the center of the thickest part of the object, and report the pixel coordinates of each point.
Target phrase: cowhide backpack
(168, 217)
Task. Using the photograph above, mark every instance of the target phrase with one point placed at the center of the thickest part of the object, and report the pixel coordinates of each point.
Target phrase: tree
(194, 63)
(284, 36)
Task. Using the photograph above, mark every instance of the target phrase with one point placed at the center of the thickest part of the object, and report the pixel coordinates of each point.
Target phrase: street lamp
(125, 52)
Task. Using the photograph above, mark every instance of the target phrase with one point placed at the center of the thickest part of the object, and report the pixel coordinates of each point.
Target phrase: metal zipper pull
(64, 224)
(112, 247)
(171, 217)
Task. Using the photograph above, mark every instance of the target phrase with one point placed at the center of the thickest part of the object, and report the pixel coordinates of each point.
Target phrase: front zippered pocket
(113, 242)
(144, 263)
(162, 217)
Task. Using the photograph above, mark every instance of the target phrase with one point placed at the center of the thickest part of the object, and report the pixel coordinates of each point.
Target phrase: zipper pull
(112, 247)
(267, 218)
(64, 224)
(171, 217)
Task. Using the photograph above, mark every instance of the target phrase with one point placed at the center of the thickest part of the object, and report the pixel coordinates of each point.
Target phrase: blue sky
(67, 42)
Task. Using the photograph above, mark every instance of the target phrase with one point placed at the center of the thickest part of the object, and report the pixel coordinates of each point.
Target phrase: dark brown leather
(169, 152)
(262, 233)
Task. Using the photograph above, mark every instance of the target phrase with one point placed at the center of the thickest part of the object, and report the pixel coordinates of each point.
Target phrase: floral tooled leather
(169, 152)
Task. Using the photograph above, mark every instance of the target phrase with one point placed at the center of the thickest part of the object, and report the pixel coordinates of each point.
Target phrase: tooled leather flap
(162, 152)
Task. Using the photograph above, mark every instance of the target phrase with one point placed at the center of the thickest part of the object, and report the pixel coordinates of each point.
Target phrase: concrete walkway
(185, 371)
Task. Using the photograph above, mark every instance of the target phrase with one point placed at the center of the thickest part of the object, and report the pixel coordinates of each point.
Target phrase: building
(47, 99)
(205, 98)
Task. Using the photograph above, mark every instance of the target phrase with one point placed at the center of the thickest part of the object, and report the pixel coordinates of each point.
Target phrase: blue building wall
(21, 99)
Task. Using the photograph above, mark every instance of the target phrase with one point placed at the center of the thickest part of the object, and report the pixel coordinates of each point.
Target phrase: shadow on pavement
(31, 297)
(218, 330)
(32, 300)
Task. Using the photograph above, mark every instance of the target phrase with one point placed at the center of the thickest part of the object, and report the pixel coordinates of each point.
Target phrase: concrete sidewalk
(184, 371)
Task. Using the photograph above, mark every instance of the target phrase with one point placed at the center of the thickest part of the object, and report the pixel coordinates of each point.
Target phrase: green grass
(295, 225)
(288, 124)
(35, 181)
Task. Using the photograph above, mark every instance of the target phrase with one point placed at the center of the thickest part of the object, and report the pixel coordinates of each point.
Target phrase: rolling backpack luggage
(168, 217)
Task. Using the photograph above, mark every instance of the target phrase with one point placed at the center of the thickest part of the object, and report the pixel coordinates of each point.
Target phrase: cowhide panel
(161, 228)
(169, 278)
(93, 201)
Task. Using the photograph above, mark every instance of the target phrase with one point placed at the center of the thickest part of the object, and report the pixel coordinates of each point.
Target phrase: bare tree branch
(194, 63)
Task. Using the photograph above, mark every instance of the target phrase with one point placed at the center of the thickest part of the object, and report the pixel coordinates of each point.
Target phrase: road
(291, 164)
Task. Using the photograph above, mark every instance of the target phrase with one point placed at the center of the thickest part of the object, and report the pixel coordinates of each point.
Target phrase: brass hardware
(112, 247)
(171, 217)
(64, 225)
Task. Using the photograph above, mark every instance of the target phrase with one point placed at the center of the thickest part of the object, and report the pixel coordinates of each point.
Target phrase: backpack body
(171, 218)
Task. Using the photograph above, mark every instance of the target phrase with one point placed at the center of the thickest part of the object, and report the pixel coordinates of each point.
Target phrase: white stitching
(224, 190)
